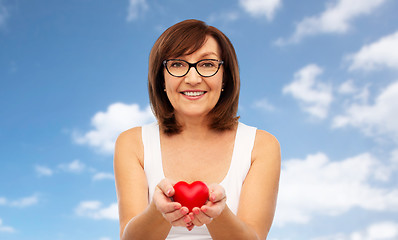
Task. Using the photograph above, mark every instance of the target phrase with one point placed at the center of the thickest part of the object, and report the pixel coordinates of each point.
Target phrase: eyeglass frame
(190, 65)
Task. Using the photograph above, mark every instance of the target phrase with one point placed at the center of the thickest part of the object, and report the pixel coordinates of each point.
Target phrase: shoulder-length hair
(185, 38)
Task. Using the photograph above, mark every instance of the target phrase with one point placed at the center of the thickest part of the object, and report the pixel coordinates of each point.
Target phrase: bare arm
(260, 189)
(257, 201)
(137, 217)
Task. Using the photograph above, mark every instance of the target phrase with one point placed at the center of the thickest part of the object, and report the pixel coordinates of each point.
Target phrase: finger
(190, 227)
(216, 195)
(213, 210)
(168, 206)
(175, 216)
(194, 220)
(183, 221)
(166, 186)
(163, 203)
(201, 217)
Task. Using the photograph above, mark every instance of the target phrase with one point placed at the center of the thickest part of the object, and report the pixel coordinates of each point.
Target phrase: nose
(193, 77)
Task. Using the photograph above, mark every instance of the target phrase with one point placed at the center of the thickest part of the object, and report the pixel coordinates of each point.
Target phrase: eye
(176, 64)
(208, 64)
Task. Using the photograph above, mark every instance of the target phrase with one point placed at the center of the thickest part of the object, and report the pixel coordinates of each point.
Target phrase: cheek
(169, 84)
(218, 84)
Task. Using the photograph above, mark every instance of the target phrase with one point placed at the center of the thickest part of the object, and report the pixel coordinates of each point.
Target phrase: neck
(194, 127)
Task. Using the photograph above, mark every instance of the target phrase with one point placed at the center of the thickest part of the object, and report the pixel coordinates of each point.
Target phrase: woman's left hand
(212, 209)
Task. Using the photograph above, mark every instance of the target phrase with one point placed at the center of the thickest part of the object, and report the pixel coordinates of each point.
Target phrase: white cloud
(25, 202)
(383, 230)
(394, 157)
(105, 238)
(108, 125)
(317, 186)
(103, 176)
(354, 93)
(74, 167)
(263, 104)
(20, 203)
(379, 118)
(382, 53)
(94, 210)
(313, 95)
(43, 171)
(136, 7)
(3, 14)
(337, 18)
(347, 87)
(260, 8)
(386, 230)
(4, 228)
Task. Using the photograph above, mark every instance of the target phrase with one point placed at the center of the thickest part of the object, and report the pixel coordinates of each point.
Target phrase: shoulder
(129, 137)
(265, 138)
(130, 143)
(266, 146)
(132, 133)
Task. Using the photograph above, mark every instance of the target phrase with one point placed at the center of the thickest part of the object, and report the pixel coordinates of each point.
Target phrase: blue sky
(322, 76)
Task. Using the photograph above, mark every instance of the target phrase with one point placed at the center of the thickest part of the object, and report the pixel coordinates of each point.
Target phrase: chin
(197, 114)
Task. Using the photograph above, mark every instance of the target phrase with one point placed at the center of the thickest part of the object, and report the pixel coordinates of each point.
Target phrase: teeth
(193, 94)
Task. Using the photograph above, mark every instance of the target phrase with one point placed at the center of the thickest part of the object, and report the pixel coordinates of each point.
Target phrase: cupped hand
(173, 212)
(212, 209)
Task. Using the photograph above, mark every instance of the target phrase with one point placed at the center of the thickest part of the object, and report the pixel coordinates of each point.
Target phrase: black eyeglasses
(180, 68)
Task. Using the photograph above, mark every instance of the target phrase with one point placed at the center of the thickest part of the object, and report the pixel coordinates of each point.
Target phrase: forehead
(210, 48)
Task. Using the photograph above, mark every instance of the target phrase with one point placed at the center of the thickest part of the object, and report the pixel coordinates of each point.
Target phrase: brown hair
(186, 37)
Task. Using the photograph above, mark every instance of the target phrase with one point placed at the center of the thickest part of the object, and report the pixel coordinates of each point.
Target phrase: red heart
(191, 195)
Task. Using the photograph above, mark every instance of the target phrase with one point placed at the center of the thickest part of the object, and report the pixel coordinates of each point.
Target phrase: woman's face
(193, 95)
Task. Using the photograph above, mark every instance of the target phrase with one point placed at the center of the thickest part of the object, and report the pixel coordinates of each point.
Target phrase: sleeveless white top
(232, 183)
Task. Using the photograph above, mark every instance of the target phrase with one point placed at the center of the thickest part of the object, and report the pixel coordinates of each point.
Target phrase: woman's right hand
(173, 212)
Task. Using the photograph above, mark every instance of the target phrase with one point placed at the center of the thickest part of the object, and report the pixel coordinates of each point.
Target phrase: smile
(193, 94)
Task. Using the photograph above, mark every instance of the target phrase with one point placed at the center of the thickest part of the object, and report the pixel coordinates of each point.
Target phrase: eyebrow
(206, 54)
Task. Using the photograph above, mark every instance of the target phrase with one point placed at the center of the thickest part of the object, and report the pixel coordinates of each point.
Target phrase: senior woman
(193, 85)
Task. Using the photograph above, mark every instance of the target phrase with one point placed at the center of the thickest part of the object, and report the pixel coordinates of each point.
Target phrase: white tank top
(232, 183)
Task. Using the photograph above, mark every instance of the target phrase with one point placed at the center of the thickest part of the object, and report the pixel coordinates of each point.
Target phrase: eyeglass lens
(206, 68)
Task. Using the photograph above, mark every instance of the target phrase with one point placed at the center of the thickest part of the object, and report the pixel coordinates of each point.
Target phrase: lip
(193, 97)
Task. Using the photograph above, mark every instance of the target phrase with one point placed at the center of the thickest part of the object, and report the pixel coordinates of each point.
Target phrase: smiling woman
(207, 42)
(191, 94)
(193, 84)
